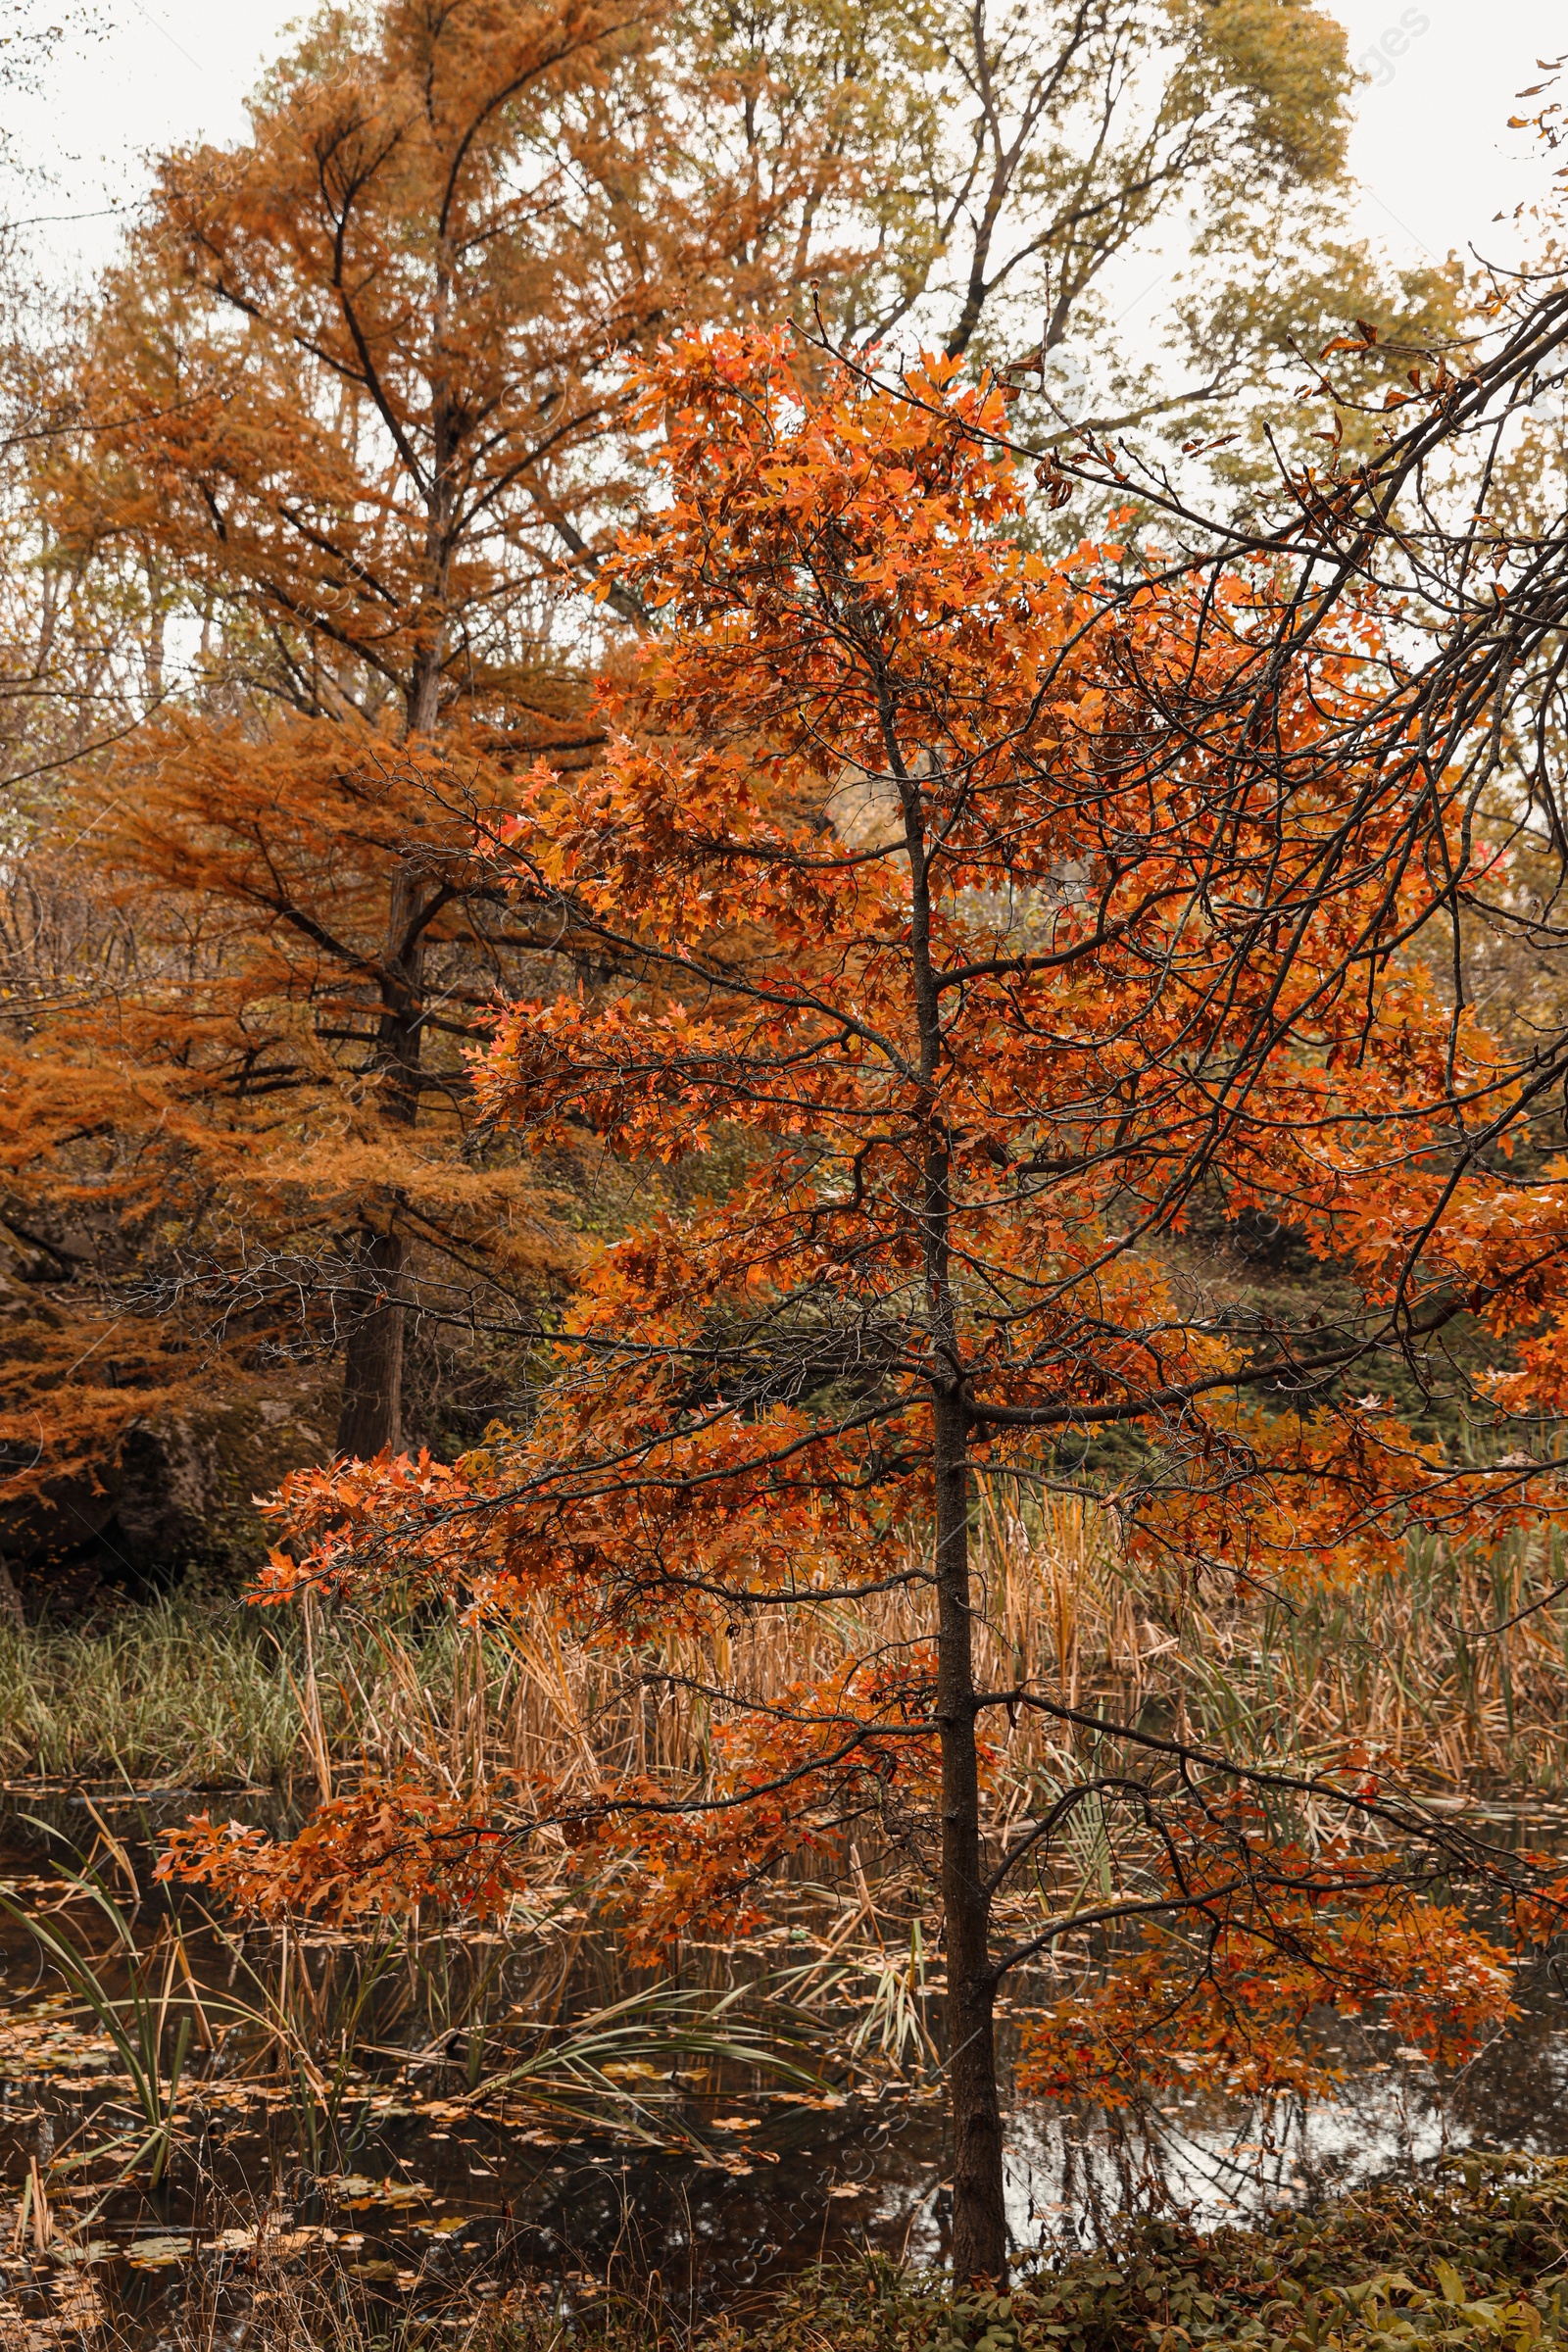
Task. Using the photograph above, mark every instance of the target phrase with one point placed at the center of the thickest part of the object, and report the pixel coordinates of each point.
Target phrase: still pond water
(410, 2185)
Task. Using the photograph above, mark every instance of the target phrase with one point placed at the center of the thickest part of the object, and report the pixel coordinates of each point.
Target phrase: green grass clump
(175, 1690)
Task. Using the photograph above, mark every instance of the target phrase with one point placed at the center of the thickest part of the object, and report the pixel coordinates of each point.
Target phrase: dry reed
(1411, 1665)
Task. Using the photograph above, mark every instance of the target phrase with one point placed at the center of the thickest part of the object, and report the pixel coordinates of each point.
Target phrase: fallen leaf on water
(156, 2253)
(380, 2192)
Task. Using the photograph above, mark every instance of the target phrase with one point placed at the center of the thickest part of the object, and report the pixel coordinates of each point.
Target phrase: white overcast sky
(1433, 154)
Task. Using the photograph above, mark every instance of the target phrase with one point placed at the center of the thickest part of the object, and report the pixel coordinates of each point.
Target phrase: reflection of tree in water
(1512, 2096)
(1074, 2177)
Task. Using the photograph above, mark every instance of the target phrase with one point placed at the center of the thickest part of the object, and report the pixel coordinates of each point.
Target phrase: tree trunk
(370, 1416)
(979, 2214)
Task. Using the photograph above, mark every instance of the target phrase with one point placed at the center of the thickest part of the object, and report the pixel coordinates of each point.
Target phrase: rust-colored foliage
(354, 408)
(1273, 1931)
(996, 912)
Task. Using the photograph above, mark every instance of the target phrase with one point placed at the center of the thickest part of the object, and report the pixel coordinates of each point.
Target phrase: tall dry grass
(1434, 1667)
(1412, 1664)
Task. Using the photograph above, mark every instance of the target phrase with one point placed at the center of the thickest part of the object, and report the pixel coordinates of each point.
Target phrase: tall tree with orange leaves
(993, 910)
(349, 419)
(348, 435)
